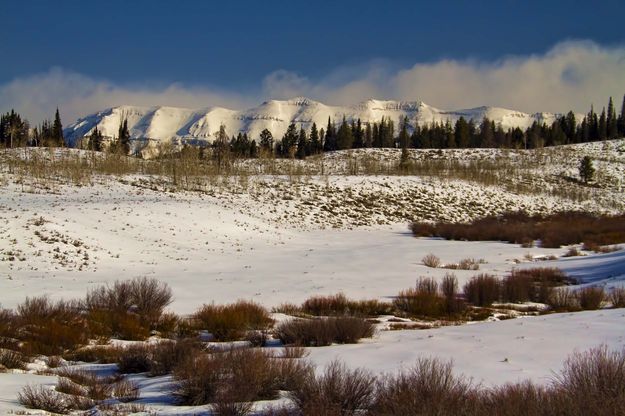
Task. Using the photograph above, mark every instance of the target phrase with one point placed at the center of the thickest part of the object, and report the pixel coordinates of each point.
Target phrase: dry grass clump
(465, 264)
(231, 322)
(338, 391)
(430, 260)
(236, 376)
(482, 290)
(127, 309)
(554, 230)
(324, 331)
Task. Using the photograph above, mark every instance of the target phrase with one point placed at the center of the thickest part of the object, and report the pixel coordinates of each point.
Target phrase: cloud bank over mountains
(570, 76)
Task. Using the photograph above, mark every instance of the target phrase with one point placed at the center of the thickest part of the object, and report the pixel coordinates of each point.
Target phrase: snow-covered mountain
(149, 125)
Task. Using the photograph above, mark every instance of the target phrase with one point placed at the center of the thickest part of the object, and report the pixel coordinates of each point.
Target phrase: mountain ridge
(152, 124)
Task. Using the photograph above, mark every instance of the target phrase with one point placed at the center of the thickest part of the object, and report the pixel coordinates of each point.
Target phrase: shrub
(231, 322)
(135, 359)
(593, 382)
(128, 309)
(428, 388)
(338, 391)
(563, 299)
(236, 376)
(591, 297)
(51, 328)
(423, 300)
(197, 380)
(326, 305)
(8, 329)
(449, 288)
(12, 359)
(166, 355)
(324, 331)
(430, 260)
(482, 290)
(523, 399)
(617, 297)
(564, 228)
(39, 397)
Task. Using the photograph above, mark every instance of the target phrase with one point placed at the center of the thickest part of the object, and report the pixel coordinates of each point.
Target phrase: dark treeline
(300, 143)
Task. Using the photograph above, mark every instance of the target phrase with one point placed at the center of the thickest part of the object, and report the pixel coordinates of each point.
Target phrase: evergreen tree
(368, 140)
(344, 137)
(586, 169)
(487, 134)
(315, 141)
(266, 142)
(359, 135)
(302, 144)
(404, 138)
(603, 126)
(221, 149)
(123, 137)
(57, 130)
(329, 142)
(95, 140)
(289, 141)
(621, 120)
(461, 133)
(13, 130)
(612, 127)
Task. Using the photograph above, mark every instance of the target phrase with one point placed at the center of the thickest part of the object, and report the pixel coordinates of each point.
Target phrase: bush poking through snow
(12, 359)
(593, 382)
(482, 290)
(430, 260)
(51, 328)
(428, 388)
(128, 309)
(338, 391)
(617, 297)
(236, 376)
(554, 230)
(591, 297)
(324, 331)
(44, 398)
(231, 322)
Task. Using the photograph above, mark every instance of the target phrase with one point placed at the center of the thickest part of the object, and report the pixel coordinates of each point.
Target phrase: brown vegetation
(554, 230)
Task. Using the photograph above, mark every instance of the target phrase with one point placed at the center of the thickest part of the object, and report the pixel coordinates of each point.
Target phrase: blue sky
(237, 51)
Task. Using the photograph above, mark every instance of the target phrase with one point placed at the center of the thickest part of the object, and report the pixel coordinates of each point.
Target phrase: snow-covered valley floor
(220, 247)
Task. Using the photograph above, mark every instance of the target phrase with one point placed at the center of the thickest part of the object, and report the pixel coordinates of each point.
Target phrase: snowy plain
(282, 241)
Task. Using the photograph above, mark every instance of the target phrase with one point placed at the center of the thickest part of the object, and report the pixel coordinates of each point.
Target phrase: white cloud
(77, 95)
(571, 75)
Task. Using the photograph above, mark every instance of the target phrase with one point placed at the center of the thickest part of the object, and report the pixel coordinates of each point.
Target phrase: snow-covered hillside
(166, 123)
